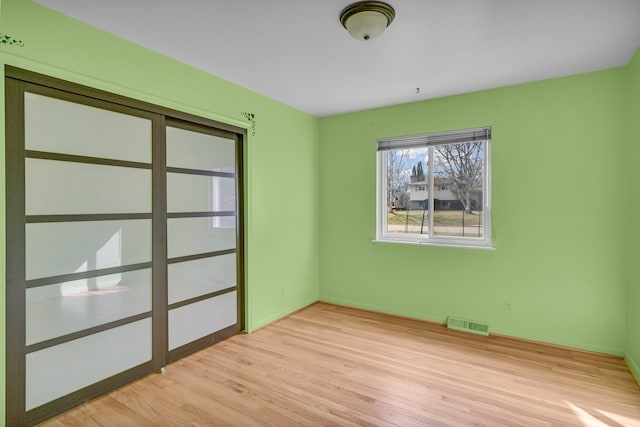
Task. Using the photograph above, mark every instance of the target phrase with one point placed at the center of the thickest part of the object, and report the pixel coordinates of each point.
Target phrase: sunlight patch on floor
(621, 419)
(588, 420)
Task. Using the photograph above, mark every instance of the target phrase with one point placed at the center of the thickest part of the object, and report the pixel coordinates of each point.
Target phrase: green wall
(558, 197)
(633, 250)
(282, 244)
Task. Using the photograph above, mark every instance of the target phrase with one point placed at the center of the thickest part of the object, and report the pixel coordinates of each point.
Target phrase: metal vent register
(481, 328)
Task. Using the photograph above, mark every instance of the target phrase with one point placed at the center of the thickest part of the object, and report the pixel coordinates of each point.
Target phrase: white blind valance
(439, 138)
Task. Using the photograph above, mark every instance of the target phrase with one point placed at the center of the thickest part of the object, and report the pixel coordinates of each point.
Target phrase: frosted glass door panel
(202, 276)
(54, 187)
(67, 127)
(198, 193)
(59, 248)
(194, 150)
(62, 369)
(197, 320)
(62, 308)
(191, 236)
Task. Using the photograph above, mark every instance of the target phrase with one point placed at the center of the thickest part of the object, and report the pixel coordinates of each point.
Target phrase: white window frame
(429, 141)
(215, 202)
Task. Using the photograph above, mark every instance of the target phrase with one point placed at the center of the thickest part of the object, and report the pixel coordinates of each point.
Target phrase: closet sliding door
(84, 219)
(124, 241)
(202, 237)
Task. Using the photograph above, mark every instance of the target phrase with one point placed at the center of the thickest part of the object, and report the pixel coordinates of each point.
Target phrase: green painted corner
(634, 367)
(280, 314)
(632, 249)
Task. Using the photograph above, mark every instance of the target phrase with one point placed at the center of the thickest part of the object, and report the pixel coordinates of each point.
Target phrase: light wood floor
(329, 365)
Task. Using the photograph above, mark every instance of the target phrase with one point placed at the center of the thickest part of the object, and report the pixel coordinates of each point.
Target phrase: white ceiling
(297, 52)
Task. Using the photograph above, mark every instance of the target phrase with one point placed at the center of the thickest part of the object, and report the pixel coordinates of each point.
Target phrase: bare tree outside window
(398, 177)
(461, 165)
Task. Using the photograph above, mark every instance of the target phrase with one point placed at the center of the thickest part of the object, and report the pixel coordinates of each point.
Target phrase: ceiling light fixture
(366, 20)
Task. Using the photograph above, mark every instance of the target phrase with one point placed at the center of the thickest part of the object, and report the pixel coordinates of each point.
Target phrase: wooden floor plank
(332, 365)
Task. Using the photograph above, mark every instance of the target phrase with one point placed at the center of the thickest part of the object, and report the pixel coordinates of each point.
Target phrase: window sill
(449, 245)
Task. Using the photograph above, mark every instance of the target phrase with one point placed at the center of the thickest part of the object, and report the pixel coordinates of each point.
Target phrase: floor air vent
(472, 326)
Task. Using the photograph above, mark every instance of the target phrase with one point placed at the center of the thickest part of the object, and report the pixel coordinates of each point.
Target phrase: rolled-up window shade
(450, 137)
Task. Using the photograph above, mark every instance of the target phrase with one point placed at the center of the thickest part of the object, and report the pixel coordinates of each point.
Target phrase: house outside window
(435, 188)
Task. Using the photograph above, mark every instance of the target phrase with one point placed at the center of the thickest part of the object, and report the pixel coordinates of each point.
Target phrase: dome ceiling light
(366, 20)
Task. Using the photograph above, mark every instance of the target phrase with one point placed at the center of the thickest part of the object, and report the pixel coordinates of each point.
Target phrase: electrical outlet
(507, 306)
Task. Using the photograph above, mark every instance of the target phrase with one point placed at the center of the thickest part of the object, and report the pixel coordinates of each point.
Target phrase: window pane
(197, 320)
(407, 191)
(56, 371)
(62, 308)
(191, 236)
(198, 193)
(194, 150)
(72, 247)
(198, 277)
(458, 190)
(55, 188)
(67, 127)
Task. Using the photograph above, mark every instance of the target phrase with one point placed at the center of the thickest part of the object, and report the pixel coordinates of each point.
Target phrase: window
(453, 206)
(222, 198)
